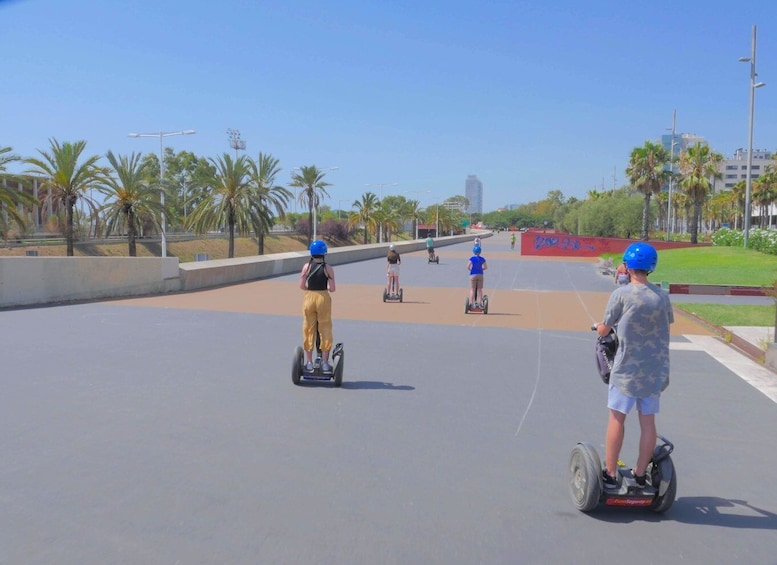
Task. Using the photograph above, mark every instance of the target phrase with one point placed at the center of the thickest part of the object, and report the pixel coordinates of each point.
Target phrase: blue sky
(527, 96)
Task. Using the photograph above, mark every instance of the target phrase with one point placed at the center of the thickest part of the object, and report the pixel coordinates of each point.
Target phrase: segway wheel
(466, 305)
(585, 477)
(297, 365)
(437, 260)
(401, 293)
(664, 479)
(485, 304)
(339, 366)
(385, 295)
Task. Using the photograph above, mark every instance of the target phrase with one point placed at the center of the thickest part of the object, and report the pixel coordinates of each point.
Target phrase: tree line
(240, 196)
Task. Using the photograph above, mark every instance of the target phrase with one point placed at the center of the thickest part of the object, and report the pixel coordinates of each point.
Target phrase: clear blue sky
(529, 96)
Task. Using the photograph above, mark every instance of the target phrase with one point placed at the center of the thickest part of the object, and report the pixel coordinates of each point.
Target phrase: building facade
(734, 170)
(473, 191)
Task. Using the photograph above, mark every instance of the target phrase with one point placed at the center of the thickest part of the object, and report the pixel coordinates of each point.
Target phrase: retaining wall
(559, 244)
(28, 281)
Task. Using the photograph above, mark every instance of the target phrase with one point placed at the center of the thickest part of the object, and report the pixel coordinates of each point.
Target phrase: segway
(336, 359)
(476, 308)
(586, 484)
(393, 296)
(433, 258)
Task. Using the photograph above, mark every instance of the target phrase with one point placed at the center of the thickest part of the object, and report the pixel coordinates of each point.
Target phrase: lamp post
(161, 135)
(235, 142)
(671, 178)
(315, 219)
(381, 185)
(748, 182)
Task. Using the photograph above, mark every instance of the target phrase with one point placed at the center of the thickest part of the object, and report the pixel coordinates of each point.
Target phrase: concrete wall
(204, 274)
(27, 281)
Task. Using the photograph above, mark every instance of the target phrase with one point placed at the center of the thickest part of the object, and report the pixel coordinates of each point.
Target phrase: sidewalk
(753, 341)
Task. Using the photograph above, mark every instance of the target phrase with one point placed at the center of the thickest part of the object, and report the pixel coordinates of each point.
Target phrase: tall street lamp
(381, 185)
(161, 135)
(671, 178)
(235, 142)
(748, 182)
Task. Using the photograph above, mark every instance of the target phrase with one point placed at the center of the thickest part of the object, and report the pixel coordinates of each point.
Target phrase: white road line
(746, 369)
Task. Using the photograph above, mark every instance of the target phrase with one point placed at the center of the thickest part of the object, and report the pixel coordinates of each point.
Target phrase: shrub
(763, 240)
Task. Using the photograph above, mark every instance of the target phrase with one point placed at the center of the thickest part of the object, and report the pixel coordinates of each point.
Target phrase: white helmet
(392, 247)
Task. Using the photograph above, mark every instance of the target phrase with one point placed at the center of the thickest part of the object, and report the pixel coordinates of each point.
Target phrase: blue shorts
(616, 400)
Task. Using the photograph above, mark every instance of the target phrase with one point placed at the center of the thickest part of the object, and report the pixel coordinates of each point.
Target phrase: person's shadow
(374, 385)
(699, 510)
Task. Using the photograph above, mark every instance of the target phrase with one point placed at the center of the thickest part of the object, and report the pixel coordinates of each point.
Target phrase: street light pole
(161, 135)
(748, 182)
(671, 178)
(235, 142)
(381, 185)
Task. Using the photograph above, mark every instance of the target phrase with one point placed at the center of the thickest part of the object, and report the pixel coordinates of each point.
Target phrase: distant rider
(392, 270)
(430, 247)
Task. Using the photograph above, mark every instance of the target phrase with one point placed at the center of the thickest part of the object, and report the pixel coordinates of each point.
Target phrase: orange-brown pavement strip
(524, 309)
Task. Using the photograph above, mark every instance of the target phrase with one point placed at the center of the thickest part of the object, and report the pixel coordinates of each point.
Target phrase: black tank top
(317, 278)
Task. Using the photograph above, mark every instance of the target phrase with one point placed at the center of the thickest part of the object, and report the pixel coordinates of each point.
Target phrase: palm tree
(230, 201)
(765, 194)
(10, 199)
(738, 195)
(648, 174)
(365, 213)
(270, 198)
(311, 181)
(131, 199)
(68, 179)
(698, 165)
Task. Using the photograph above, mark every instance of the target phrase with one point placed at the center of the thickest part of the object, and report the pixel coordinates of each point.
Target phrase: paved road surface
(167, 430)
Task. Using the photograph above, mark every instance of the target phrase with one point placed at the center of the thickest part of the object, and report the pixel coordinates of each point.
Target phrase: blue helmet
(476, 250)
(318, 247)
(641, 256)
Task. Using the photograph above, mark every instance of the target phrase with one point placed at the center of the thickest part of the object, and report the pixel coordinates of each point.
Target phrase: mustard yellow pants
(317, 307)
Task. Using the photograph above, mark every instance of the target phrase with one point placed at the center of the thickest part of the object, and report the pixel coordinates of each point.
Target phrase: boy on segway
(642, 312)
(430, 247)
(317, 279)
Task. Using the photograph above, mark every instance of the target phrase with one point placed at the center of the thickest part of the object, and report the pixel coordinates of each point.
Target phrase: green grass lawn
(719, 265)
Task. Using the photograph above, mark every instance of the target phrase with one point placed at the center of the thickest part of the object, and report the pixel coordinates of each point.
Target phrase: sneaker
(641, 481)
(309, 367)
(609, 482)
(326, 368)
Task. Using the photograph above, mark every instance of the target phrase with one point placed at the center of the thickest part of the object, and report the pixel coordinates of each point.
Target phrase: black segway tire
(466, 305)
(664, 480)
(437, 260)
(401, 294)
(385, 295)
(297, 366)
(485, 304)
(585, 477)
(339, 367)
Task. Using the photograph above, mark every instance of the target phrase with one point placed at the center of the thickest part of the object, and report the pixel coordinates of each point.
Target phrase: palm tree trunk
(69, 227)
(231, 253)
(694, 227)
(646, 218)
(260, 240)
(133, 252)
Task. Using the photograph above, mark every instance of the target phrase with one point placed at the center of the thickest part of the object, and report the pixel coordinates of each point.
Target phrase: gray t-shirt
(642, 314)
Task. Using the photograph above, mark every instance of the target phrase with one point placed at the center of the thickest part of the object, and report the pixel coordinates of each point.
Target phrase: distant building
(473, 191)
(734, 169)
(682, 141)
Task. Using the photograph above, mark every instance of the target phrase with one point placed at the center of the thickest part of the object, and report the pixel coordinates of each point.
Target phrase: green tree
(68, 178)
(10, 199)
(271, 198)
(230, 202)
(698, 165)
(130, 198)
(311, 180)
(648, 174)
(365, 213)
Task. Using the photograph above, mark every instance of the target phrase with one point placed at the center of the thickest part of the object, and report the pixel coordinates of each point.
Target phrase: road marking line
(746, 369)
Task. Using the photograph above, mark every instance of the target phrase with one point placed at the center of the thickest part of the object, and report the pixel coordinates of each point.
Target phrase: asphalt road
(167, 430)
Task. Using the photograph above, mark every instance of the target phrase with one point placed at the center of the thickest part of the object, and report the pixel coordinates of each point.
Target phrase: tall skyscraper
(473, 190)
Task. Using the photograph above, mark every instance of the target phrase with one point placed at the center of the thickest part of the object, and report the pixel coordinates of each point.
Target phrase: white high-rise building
(473, 191)
(734, 169)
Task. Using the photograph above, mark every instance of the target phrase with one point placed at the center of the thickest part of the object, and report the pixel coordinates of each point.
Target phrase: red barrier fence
(549, 243)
